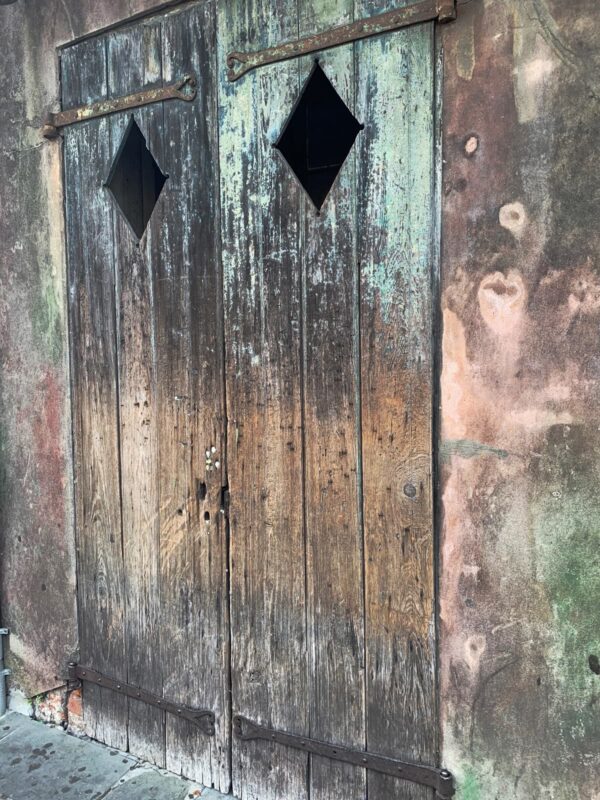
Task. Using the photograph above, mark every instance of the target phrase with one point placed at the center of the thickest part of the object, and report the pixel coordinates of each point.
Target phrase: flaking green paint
(402, 157)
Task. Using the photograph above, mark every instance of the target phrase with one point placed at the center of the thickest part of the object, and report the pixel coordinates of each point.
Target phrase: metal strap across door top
(183, 89)
(239, 63)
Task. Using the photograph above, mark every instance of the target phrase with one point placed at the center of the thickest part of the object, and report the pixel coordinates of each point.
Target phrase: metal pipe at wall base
(3, 673)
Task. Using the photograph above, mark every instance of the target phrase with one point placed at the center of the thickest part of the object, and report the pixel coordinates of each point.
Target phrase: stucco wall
(520, 399)
(520, 575)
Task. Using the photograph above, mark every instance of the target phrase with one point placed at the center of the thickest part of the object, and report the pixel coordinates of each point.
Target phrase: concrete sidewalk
(42, 761)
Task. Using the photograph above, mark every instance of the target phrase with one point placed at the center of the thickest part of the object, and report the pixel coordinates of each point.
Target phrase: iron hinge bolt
(447, 11)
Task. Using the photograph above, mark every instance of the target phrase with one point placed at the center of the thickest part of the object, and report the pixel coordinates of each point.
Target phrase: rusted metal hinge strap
(239, 63)
(183, 89)
(439, 779)
(204, 719)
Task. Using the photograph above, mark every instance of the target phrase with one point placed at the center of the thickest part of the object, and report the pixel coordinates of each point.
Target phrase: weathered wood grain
(94, 394)
(134, 62)
(194, 596)
(333, 514)
(262, 289)
(396, 224)
(315, 345)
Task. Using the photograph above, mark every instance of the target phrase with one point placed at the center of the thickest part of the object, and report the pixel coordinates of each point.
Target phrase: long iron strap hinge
(239, 63)
(183, 89)
(439, 779)
(202, 718)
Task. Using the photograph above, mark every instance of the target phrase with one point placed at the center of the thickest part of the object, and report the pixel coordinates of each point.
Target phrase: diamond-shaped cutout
(135, 180)
(318, 136)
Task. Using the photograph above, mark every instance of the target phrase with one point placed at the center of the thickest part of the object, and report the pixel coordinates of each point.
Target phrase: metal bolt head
(49, 131)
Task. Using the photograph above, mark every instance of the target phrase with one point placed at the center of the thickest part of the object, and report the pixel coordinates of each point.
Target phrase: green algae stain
(47, 316)
(567, 535)
(40, 268)
(469, 788)
(573, 584)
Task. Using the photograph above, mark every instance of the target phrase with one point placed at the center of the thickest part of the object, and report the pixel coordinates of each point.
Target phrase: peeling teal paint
(402, 158)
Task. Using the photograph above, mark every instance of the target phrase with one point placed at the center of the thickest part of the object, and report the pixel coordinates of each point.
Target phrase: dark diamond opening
(135, 179)
(318, 136)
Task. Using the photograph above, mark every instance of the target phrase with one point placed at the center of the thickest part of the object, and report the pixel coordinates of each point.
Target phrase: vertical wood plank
(189, 342)
(396, 223)
(134, 62)
(262, 289)
(335, 597)
(94, 393)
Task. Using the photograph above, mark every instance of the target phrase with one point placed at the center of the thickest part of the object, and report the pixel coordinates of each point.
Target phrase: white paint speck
(513, 217)
(471, 145)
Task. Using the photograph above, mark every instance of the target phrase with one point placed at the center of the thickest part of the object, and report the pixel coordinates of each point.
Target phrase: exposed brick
(75, 711)
(51, 707)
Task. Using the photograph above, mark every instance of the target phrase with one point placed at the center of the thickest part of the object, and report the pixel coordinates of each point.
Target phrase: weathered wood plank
(262, 289)
(134, 62)
(189, 340)
(94, 393)
(335, 597)
(396, 224)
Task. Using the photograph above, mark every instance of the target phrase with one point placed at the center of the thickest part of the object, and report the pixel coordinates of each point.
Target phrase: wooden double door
(252, 400)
